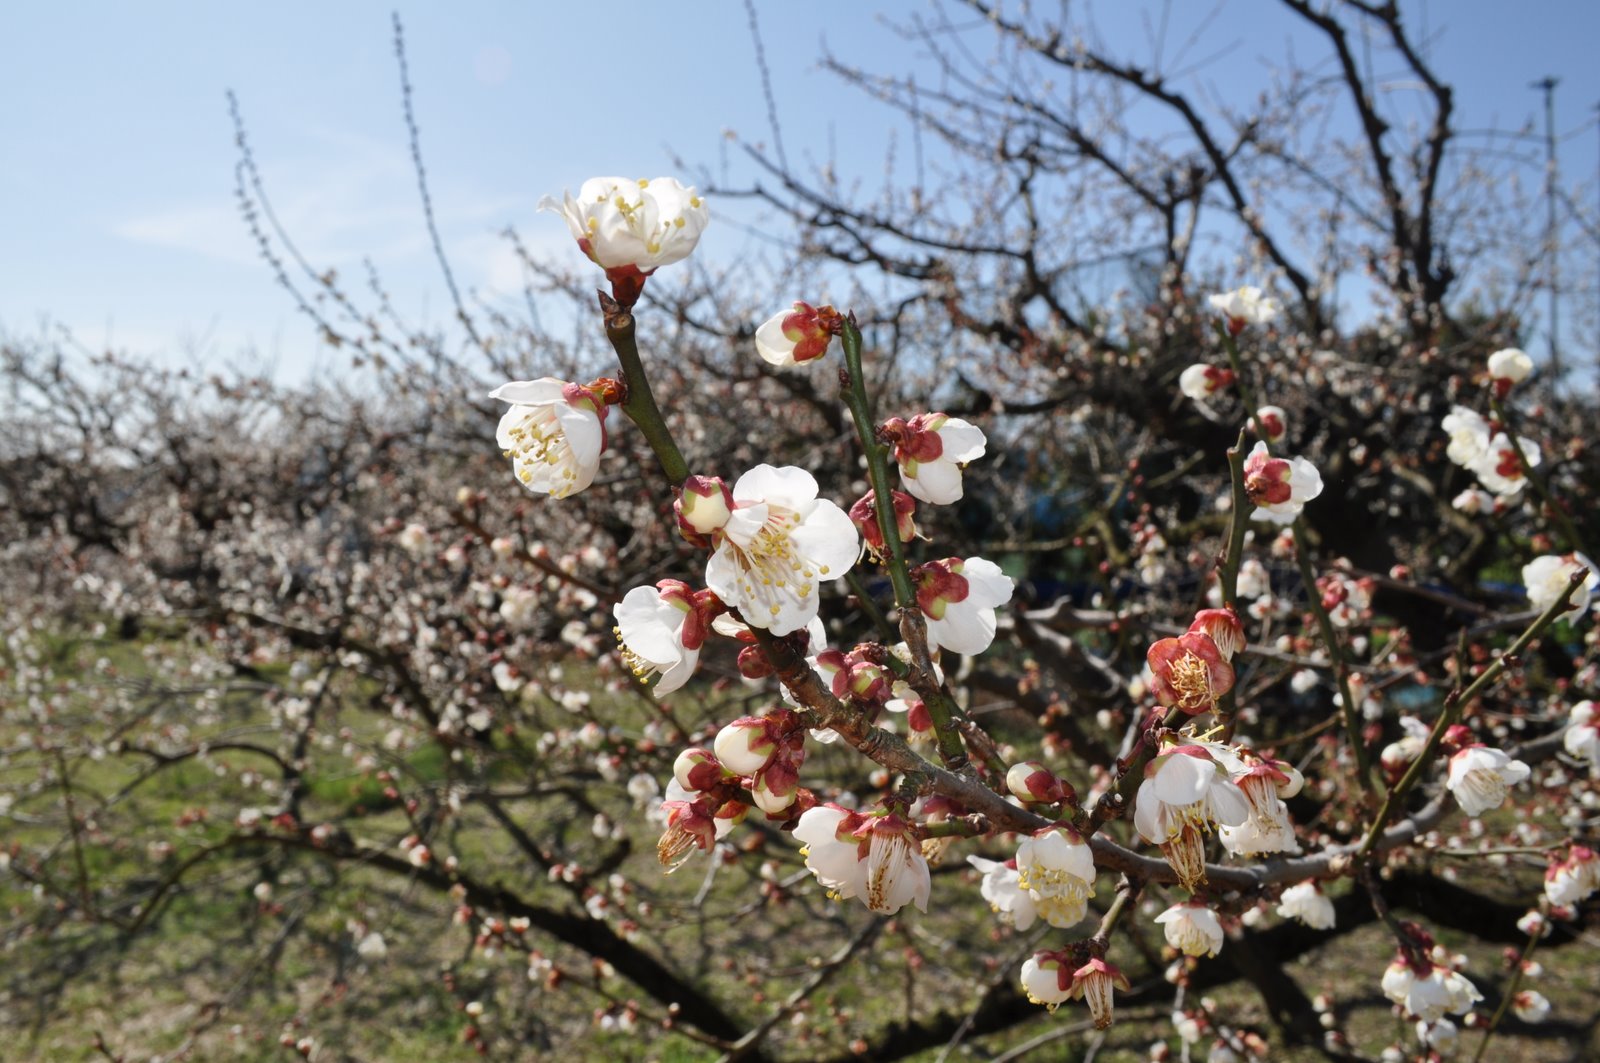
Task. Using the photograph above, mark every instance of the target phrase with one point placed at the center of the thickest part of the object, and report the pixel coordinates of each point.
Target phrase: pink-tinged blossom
(1189, 672)
(1192, 929)
(697, 769)
(959, 599)
(1047, 978)
(661, 630)
(797, 335)
(1570, 880)
(1474, 501)
(748, 744)
(1056, 867)
(1500, 470)
(1244, 306)
(1222, 627)
(1200, 381)
(702, 508)
(631, 228)
(1271, 423)
(931, 449)
(689, 825)
(553, 433)
(1530, 1006)
(1582, 739)
(864, 515)
(1307, 903)
(1480, 778)
(1093, 982)
(1546, 579)
(1002, 888)
(778, 544)
(1032, 782)
(1279, 487)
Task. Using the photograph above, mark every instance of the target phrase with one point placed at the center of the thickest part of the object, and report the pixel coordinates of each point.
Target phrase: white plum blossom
(1546, 579)
(1047, 978)
(1469, 436)
(1430, 995)
(553, 433)
(795, 336)
(1185, 793)
(1307, 903)
(1192, 929)
(1582, 739)
(413, 539)
(645, 224)
(873, 857)
(1245, 306)
(1473, 501)
(1056, 867)
(1002, 888)
(959, 599)
(1279, 487)
(779, 542)
(1480, 778)
(1500, 470)
(931, 449)
(661, 629)
(1570, 880)
(1200, 381)
(1511, 365)
(1530, 1006)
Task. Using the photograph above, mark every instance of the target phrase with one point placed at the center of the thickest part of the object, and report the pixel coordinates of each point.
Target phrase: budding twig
(640, 405)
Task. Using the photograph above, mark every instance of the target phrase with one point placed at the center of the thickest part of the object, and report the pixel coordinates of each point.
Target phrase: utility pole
(1551, 240)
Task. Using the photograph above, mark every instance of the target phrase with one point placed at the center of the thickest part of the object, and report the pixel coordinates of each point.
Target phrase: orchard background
(1248, 442)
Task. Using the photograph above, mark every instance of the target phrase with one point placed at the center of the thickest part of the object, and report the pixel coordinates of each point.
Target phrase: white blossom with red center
(553, 433)
(1271, 424)
(931, 449)
(1500, 470)
(795, 336)
(1509, 367)
(661, 630)
(779, 542)
(1094, 982)
(1244, 306)
(1546, 579)
(1279, 487)
(1047, 978)
(959, 598)
(1002, 888)
(631, 228)
(1185, 793)
(1582, 739)
(874, 857)
(1192, 929)
(1200, 381)
(1189, 672)
(1056, 867)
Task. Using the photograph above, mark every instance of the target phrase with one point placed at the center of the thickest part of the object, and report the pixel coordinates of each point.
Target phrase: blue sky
(117, 216)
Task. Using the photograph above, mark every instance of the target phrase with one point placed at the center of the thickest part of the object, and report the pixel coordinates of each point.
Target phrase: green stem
(1246, 394)
(1238, 522)
(640, 404)
(1454, 704)
(1341, 667)
(941, 710)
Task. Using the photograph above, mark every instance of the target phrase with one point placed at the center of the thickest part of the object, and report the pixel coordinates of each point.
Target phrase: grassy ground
(221, 975)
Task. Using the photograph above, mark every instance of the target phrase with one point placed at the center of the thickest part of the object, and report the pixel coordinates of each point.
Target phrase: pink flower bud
(746, 745)
(703, 507)
(1031, 781)
(697, 769)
